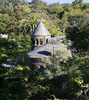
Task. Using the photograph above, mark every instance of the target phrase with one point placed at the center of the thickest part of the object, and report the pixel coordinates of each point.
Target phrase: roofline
(39, 35)
(35, 30)
(41, 47)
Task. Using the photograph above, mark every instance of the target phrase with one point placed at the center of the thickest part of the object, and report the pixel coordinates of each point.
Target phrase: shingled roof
(47, 49)
(41, 30)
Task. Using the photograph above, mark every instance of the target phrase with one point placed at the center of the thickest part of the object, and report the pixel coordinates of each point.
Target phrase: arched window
(47, 41)
(37, 41)
(41, 67)
(41, 41)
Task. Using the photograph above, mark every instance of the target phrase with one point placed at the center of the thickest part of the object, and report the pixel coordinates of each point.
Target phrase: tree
(63, 23)
(54, 63)
(4, 22)
(4, 45)
(77, 84)
(80, 1)
(75, 2)
(59, 9)
(54, 8)
(67, 6)
(26, 27)
(14, 2)
(36, 2)
(38, 5)
(80, 38)
(11, 7)
(15, 50)
(18, 13)
(3, 4)
(25, 9)
(84, 6)
(76, 20)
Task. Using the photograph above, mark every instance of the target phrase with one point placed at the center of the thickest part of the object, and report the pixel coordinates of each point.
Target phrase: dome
(41, 30)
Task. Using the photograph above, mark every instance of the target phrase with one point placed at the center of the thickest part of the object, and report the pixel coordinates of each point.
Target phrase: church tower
(40, 36)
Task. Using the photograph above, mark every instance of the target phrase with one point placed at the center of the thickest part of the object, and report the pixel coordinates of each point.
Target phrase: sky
(60, 1)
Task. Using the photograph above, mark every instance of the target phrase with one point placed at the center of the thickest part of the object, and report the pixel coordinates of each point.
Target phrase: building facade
(42, 46)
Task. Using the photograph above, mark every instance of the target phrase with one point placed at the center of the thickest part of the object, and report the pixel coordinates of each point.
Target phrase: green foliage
(27, 26)
(38, 5)
(3, 51)
(64, 42)
(18, 13)
(80, 38)
(31, 86)
(52, 29)
(10, 91)
(80, 1)
(82, 6)
(78, 69)
(64, 78)
(77, 1)
(54, 8)
(76, 20)
(67, 7)
(55, 69)
(70, 78)
(11, 7)
(35, 1)
(63, 23)
(25, 9)
(15, 49)
(14, 2)
(4, 21)
(59, 9)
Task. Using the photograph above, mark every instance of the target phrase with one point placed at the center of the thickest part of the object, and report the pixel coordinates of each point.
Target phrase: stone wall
(35, 63)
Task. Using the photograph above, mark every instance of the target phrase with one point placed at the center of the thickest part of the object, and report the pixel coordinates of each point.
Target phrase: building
(40, 36)
(43, 45)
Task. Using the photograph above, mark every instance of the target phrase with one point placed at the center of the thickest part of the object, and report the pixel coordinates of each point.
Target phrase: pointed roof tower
(40, 36)
(41, 30)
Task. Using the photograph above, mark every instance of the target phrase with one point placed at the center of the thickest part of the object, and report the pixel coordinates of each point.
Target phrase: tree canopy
(67, 74)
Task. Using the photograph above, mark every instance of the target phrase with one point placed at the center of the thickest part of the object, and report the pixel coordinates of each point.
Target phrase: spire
(40, 30)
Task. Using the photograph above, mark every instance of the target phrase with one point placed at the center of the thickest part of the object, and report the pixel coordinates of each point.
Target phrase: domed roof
(41, 30)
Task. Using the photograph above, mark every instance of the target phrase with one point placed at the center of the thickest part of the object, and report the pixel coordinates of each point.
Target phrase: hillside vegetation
(65, 78)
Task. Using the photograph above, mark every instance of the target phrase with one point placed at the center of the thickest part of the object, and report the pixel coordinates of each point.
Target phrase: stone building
(43, 45)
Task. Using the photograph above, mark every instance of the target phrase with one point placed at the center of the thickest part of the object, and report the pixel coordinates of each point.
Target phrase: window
(37, 41)
(47, 41)
(41, 41)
